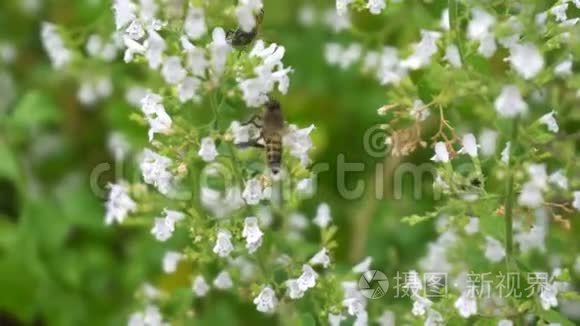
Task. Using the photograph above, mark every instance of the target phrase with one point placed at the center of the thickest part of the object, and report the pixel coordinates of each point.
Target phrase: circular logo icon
(373, 284)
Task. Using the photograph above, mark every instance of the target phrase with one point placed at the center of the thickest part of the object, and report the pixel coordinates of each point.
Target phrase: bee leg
(252, 143)
(253, 121)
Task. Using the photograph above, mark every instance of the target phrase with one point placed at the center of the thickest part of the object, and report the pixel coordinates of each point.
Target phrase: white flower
(548, 295)
(155, 46)
(299, 143)
(488, 142)
(376, 6)
(53, 43)
(200, 287)
(420, 111)
(155, 170)
(509, 103)
(452, 56)
(219, 49)
(162, 230)
(150, 317)
(576, 202)
(549, 120)
(194, 25)
(335, 21)
(434, 318)
(159, 120)
(223, 281)
(118, 145)
(494, 250)
(207, 151)
(223, 244)
(323, 217)
(342, 6)
(170, 261)
(559, 179)
(505, 153)
(480, 24)
(531, 239)
(195, 59)
(472, 226)
(505, 322)
(559, 12)
(294, 291)
(307, 15)
(469, 145)
(124, 12)
(466, 304)
(424, 50)
(487, 46)
(253, 192)
(531, 195)
(564, 68)
(321, 258)
(526, 60)
(307, 279)
(243, 133)
(187, 90)
(420, 305)
(172, 71)
(266, 301)
(252, 233)
(246, 11)
(119, 204)
(441, 153)
(363, 266)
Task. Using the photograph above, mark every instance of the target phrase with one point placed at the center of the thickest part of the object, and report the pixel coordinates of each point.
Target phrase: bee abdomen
(274, 153)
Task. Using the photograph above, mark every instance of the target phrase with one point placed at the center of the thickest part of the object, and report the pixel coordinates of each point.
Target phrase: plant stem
(509, 199)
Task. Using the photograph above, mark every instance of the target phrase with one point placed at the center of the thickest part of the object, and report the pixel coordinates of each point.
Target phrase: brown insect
(271, 134)
(239, 37)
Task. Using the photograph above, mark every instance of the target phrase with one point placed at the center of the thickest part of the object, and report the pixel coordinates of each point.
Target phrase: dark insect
(239, 37)
(270, 138)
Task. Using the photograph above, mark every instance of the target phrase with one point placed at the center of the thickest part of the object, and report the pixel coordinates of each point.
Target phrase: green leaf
(307, 320)
(35, 109)
(553, 316)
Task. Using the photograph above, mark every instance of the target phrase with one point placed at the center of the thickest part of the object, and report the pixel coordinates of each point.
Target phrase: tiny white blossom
(469, 145)
(505, 322)
(323, 217)
(335, 320)
(294, 291)
(266, 301)
(307, 15)
(299, 143)
(434, 318)
(159, 120)
(335, 21)
(559, 179)
(119, 204)
(172, 71)
(387, 318)
(559, 12)
(420, 110)
(170, 261)
(420, 305)
(509, 103)
(576, 201)
(162, 230)
(252, 233)
(219, 49)
(223, 281)
(321, 258)
(194, 25)
(245, 13)
(207, 151)
(200, 287)
(505, 153)
(155, 170)
(307, 279)
(531, 195)
(376, 6)
(53, 43)
(423, 51)
(494, 250)
(526, 60)
(548, 295)
(452, 56)
(487, 46)
(342, 6)
(531, 239)
(253, 192)
(150, 317)
(223, 244)
(363, 266)
(155, 46)
(466, 304)
(472, 226)
(195, 58)
(188, 88)
(441, 153)
(488, 142)
(549, 120)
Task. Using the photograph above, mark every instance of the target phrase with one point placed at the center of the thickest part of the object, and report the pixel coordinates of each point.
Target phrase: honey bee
(239, 37)
(271, 134)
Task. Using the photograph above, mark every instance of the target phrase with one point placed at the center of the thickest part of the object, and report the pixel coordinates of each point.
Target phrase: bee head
(272, 105)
